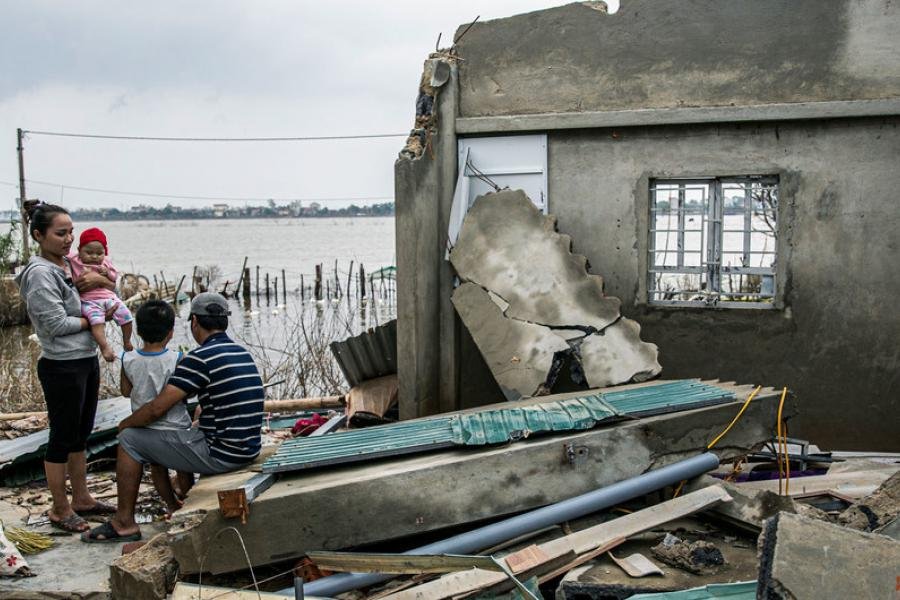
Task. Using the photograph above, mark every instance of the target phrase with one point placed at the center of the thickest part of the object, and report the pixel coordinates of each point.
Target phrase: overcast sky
(223, 68)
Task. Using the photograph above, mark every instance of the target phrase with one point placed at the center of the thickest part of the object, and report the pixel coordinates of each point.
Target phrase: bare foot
(108, 354)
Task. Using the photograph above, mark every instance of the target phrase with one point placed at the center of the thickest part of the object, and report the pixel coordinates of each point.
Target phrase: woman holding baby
(68, 368)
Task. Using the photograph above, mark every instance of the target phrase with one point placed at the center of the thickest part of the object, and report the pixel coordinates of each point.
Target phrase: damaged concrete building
(728, 169)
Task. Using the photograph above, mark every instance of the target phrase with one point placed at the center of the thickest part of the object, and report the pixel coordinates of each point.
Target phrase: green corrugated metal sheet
(359, 444)
(666, 397)
(742, 590)
(491, 426)
(510, 424)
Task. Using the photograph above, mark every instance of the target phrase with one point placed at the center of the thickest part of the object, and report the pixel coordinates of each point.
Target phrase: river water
(287, 335)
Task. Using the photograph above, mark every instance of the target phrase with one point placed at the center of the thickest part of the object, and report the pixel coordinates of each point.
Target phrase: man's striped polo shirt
(230, 393)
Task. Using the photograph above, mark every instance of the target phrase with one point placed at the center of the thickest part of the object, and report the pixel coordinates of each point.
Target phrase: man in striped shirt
(229, 390)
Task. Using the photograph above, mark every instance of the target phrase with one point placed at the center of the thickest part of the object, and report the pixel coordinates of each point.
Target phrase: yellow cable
(787, 463)
(778, 440)
(735, 420)
(678, 489)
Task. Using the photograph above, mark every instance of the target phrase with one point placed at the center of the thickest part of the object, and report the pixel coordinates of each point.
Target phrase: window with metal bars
(713, 242)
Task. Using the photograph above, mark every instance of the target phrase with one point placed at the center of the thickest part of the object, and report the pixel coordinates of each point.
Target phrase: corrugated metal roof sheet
(368, 355)
(510, 424)
(492, 426)
(361, 444)
(666, 397)
(742, 590)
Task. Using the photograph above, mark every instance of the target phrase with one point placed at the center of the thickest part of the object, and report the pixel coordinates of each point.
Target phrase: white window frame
(712, 232)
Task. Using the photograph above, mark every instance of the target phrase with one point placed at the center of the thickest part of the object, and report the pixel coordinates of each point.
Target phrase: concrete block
(527, 298)
(148, 573)
(804, 558)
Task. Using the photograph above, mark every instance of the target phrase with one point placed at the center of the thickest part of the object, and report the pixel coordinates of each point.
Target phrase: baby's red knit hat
(93, 235)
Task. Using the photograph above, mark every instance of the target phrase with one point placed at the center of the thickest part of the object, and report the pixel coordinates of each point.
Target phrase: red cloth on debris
(306, 426)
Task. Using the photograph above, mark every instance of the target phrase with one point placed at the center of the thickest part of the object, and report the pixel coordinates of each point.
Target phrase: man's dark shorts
(179, 449)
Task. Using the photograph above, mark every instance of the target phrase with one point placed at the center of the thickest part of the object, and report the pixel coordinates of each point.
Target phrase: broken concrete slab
(518, 353)
(536, 294)
(802, 558)
(617, 355)
(875, 510)
(428, 492)
(749, 508)
(507, 246)
(148, 573)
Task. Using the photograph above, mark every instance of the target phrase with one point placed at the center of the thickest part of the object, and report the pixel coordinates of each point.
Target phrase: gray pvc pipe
(491, 535)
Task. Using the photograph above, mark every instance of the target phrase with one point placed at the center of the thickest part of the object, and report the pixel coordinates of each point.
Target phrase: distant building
(219, 210)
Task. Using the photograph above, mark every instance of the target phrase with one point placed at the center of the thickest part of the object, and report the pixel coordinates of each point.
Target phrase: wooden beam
(400, 564)
(296, 404)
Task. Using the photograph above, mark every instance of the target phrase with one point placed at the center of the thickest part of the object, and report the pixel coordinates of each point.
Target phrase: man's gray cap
(210, 304)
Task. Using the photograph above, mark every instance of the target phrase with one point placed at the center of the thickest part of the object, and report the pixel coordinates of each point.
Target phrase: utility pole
(26, 251)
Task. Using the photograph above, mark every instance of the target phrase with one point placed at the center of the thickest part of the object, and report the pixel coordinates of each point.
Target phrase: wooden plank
(400, 564)
(190, 591)
(583, 558)
(527, 558)
(605, 535)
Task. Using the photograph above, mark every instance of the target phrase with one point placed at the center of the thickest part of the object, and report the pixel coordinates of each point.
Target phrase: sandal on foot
(106, 533)
(99, 508)
(73, 524)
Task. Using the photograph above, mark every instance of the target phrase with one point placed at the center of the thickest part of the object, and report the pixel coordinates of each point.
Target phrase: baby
(96, 303)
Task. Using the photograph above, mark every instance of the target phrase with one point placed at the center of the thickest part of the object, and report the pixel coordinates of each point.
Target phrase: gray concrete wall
(684, 53)
(834, 341)
(427, 327)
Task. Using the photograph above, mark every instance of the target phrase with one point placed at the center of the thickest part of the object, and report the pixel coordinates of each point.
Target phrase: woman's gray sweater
(54, 308)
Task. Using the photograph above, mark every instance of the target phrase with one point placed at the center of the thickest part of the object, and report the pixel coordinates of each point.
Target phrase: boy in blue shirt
(144, 375)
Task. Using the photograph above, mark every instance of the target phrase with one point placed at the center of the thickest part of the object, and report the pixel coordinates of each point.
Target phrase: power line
(189, 197)
(146, 138)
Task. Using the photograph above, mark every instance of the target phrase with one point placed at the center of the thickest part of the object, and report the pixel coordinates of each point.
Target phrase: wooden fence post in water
(246, 289)
(301, 287)
(267, 288)
(337, 281)
(283, 287)
(178, 289)
(165, 285)
(349, 278)
(362, 282)
(257, 282)
(276, 289)
(194, 282)
(318, 282)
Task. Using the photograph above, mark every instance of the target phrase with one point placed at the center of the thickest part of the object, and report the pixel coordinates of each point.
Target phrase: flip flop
(73, 524)
(106, 533)
(99, 508)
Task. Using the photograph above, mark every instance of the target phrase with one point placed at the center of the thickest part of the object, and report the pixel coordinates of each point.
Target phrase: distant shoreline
(77, 216)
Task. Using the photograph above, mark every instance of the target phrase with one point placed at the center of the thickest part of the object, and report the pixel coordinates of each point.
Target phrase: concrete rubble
(147, 573)
(802, 558)
(532, 306)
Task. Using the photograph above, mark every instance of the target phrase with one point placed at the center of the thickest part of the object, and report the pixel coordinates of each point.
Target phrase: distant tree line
(226, 211)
